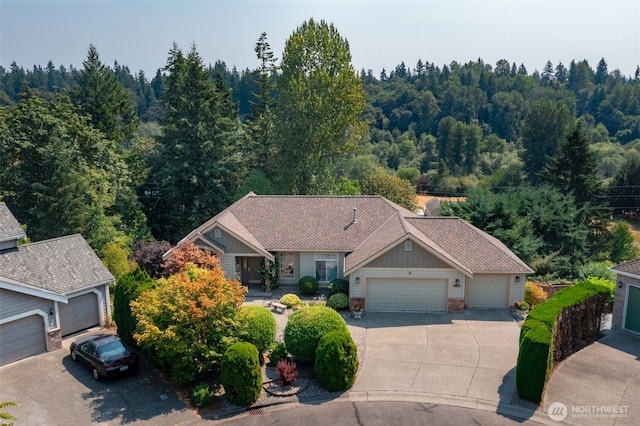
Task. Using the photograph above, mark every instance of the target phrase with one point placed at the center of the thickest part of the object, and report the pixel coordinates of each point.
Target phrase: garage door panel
(22, 338)
(632, 312)
(417, 295)
(79, 314)
(488, 292)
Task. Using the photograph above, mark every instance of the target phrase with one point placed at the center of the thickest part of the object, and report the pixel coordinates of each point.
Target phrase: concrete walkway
(599, 385)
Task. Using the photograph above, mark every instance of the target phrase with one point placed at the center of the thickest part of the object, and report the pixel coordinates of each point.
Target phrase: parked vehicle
(105, 355)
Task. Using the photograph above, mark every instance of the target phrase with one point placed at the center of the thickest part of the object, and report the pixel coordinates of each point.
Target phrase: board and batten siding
(357, 290)
(399, 257)
(228, 263)
(229, 243)
(13, 303)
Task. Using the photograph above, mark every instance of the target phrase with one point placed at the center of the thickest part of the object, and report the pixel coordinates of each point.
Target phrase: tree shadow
(143, 395)
(510, 405)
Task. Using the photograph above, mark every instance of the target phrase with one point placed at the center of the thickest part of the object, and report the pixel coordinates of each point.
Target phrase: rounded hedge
(306, 327)
(259, 326)
(336, 361)
(308, 285)
(338, 285)
(240, 373)
(338, 301)
(290, 300)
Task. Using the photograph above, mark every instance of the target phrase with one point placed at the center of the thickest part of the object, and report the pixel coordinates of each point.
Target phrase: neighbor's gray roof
(631, 267)
(325, 223)
(60, 265)
(10, 228)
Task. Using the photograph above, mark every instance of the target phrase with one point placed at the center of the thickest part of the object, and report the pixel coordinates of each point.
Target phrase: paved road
(376, 414)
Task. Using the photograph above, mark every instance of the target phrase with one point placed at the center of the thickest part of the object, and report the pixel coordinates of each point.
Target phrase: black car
(105, 354)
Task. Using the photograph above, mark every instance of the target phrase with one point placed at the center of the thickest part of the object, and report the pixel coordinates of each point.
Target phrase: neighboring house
(394, 259)
(626, 305)
(48, 289)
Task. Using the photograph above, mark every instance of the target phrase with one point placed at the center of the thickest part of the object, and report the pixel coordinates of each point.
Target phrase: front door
(250, 270)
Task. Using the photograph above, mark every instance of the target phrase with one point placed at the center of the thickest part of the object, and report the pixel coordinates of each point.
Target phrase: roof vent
(354, 221)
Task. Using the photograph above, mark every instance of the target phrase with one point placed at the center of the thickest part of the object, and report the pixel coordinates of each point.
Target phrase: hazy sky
(140, 33)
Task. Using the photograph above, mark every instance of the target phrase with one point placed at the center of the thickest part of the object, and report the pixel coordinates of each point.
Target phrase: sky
(381, 33)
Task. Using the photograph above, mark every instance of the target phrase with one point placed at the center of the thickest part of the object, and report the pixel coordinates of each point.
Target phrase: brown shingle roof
(326, 223)
(10, 229)
(60, 265)
(631, 267)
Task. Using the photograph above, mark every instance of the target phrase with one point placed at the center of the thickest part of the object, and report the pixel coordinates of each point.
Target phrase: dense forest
(122, 156)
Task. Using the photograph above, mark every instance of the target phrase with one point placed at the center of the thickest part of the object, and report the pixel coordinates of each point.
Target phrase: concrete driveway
(463, 359)
(599, 385)
(51, 389)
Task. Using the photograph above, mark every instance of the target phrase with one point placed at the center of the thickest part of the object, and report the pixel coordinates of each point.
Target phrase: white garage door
(488, 291)
(398, 295)
(79, 314)
(22, 338)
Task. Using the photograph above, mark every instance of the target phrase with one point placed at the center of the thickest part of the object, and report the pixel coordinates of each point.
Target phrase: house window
(408, 246)
(326, 267)
(217, 233)
(287, 261)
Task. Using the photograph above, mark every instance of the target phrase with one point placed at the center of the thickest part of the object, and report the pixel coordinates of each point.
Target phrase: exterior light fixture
(357, 280)
(457, 282)
(517, 278)
(619, 284)
(51, 311)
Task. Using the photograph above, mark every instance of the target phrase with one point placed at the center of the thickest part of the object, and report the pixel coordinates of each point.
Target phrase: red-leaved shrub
(287, 371)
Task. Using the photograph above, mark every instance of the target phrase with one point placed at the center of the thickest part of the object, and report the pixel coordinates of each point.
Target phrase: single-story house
(626, 304)
(394, 259)
(48, 289)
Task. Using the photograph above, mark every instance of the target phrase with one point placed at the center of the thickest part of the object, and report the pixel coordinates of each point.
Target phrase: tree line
(120, 159)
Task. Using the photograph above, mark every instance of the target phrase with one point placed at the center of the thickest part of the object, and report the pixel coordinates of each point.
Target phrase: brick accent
(455, 306)
(54, 336)
(357, 301)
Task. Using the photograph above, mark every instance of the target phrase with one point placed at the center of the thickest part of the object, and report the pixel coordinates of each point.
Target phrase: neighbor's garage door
(79, 314)
(22, 338)
(632, 312)
(488, 291)
(394, 295)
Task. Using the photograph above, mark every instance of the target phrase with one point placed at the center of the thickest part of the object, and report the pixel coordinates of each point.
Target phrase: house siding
(228, 263)
(398, 257)
(618, 303)
(229, 243)
(13, 303)
(517, 291)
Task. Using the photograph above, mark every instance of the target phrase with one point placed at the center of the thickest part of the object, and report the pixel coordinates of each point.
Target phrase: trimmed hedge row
(538, 350)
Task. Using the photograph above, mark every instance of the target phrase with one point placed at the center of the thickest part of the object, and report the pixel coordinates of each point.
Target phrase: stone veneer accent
(54, 336)
(618, 301)
(455, 306)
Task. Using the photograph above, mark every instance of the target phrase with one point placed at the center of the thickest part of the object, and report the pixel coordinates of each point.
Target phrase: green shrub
(536, 353)
(306, 327)
(336, 362)
(279, 352)
(259, 327)
(338, 301)
(290, 300)
(129, 287)
(338, 285)
(522, 305)
(201, 395)
(240, 373)
(308, 285)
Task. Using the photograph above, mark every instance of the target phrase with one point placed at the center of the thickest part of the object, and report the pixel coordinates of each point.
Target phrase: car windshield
(111, 349)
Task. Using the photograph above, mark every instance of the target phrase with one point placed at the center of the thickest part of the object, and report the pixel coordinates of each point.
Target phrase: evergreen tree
(542, 131)
(320, 105)
(199, 163)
